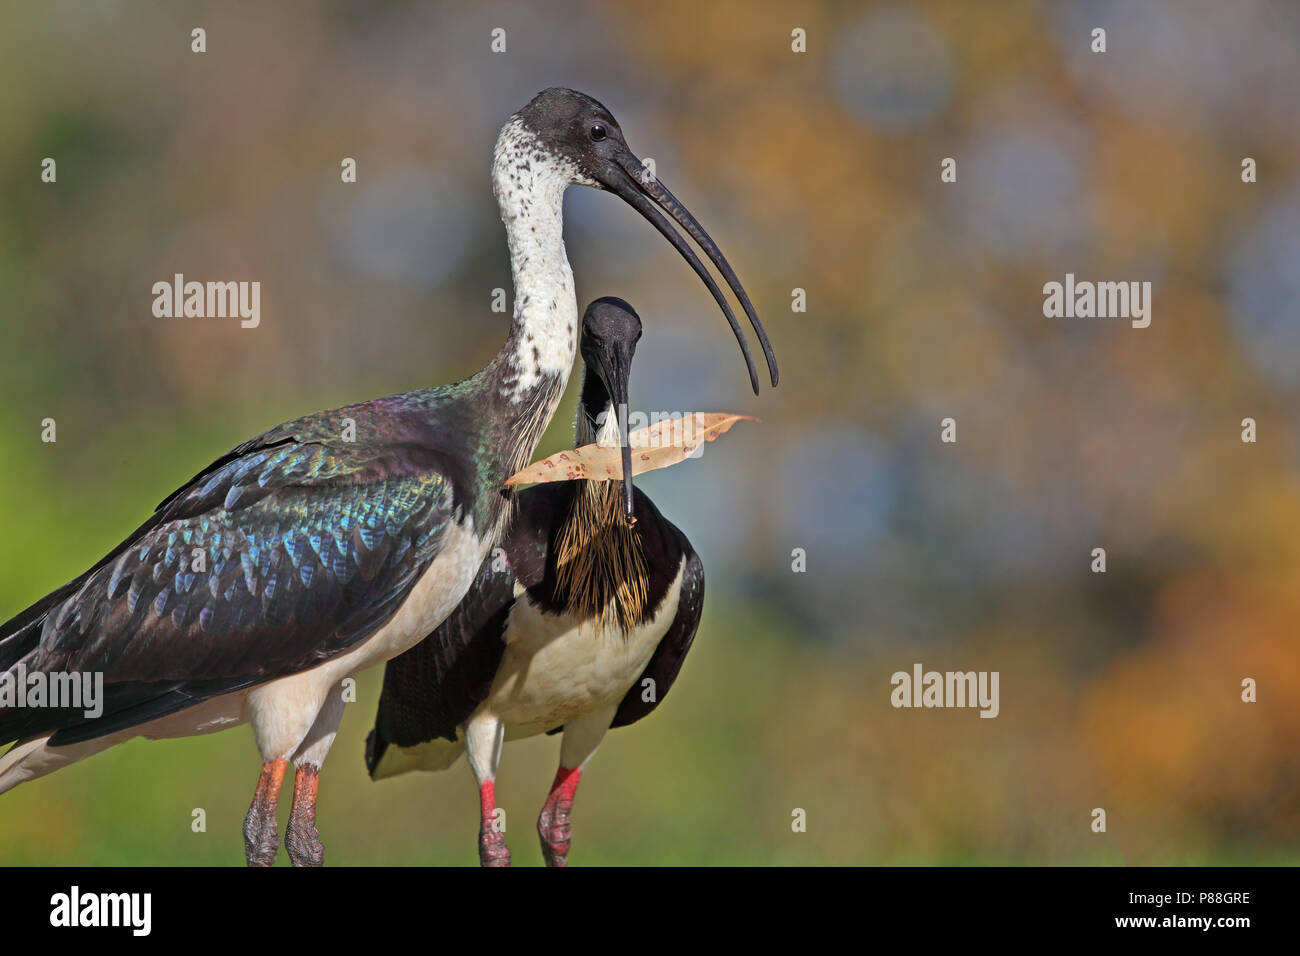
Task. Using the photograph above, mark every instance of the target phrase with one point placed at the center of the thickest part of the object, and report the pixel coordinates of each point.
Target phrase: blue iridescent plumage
(283, 552)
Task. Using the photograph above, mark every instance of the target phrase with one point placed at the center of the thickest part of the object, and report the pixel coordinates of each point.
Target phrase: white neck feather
(529, 184)
(603, 431)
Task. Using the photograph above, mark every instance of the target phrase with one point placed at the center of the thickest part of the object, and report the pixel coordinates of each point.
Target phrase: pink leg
(553, 823)
(492, 849)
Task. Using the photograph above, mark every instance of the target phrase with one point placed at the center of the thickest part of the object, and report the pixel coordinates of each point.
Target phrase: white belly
(556, 668)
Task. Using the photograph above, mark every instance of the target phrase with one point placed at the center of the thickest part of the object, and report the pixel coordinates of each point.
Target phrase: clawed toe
(555, 834)
(261, 839)
(492, 849)
(304, 845)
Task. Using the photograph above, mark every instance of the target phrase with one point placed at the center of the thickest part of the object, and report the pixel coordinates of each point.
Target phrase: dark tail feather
(19, 636)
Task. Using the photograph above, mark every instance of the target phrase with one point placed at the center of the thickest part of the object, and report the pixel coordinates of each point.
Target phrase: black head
(609, 324)
(610, 331)
(577, 129)
(573, 125)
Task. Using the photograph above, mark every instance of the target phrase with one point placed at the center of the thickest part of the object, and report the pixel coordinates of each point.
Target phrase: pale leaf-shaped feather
(666, 442)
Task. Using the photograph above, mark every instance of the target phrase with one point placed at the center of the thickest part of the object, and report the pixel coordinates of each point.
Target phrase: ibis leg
(492, 849)
(553, 824)
(301, 838)
(484, 735)
(261, 841)
(581, 738)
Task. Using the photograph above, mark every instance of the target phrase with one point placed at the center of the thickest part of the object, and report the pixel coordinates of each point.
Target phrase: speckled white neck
(529, 183)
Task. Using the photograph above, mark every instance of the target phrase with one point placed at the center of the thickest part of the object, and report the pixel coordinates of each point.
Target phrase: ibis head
(578, 131)
(610, 331)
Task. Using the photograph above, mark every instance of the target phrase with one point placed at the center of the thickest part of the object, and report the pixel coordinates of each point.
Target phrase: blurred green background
(816, 171)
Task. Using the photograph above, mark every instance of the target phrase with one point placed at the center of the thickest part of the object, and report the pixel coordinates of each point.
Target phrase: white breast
(557, 668)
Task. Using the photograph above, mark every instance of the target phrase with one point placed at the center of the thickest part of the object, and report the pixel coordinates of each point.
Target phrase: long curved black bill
(631, 183)
(621, 406)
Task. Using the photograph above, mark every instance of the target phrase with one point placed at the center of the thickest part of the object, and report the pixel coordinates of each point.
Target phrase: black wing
(277, 556)
(431, 689)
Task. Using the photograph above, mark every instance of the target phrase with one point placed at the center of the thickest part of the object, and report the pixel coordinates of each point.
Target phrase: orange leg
(301, 839)
(261, 841)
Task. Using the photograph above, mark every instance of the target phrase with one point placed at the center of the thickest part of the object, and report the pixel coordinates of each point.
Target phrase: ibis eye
(598, 132)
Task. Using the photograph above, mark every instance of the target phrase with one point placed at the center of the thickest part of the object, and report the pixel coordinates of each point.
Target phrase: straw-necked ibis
(338, 540)
(578, 624)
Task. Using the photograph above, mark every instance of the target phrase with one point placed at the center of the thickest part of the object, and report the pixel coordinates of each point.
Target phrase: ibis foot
(261, 839)
(556, 832)
(492, 849)
(304, 845)
(553, 823)
(301, 838)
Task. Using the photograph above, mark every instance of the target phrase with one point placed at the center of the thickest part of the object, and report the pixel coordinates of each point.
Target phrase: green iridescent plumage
(282, 553)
